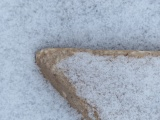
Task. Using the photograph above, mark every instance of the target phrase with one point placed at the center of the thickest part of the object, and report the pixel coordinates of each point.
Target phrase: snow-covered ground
(27, 26)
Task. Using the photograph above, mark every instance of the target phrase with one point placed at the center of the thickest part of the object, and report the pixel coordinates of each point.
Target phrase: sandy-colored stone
(47, 59)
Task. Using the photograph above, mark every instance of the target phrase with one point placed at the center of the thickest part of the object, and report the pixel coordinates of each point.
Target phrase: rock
(47, 60)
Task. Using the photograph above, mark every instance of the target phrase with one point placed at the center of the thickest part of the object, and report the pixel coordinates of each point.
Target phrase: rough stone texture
(48, 58)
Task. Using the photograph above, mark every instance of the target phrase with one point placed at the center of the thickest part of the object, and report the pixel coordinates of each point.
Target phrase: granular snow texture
(27, 26)
(121, 88)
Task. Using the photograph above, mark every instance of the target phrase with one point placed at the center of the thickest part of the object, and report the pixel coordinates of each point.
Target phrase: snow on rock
(121, 88)
(29, 25)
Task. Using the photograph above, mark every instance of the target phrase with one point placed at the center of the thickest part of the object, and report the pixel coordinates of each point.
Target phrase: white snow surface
(121, 88)
(27, 26)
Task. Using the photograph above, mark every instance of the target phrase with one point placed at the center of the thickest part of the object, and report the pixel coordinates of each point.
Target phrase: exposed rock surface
(48, 59)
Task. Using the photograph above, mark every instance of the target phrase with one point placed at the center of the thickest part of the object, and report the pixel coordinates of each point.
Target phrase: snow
(120, 88)
(30, 25)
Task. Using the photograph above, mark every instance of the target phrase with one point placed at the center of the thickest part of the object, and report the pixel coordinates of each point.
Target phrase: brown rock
(47, 59)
